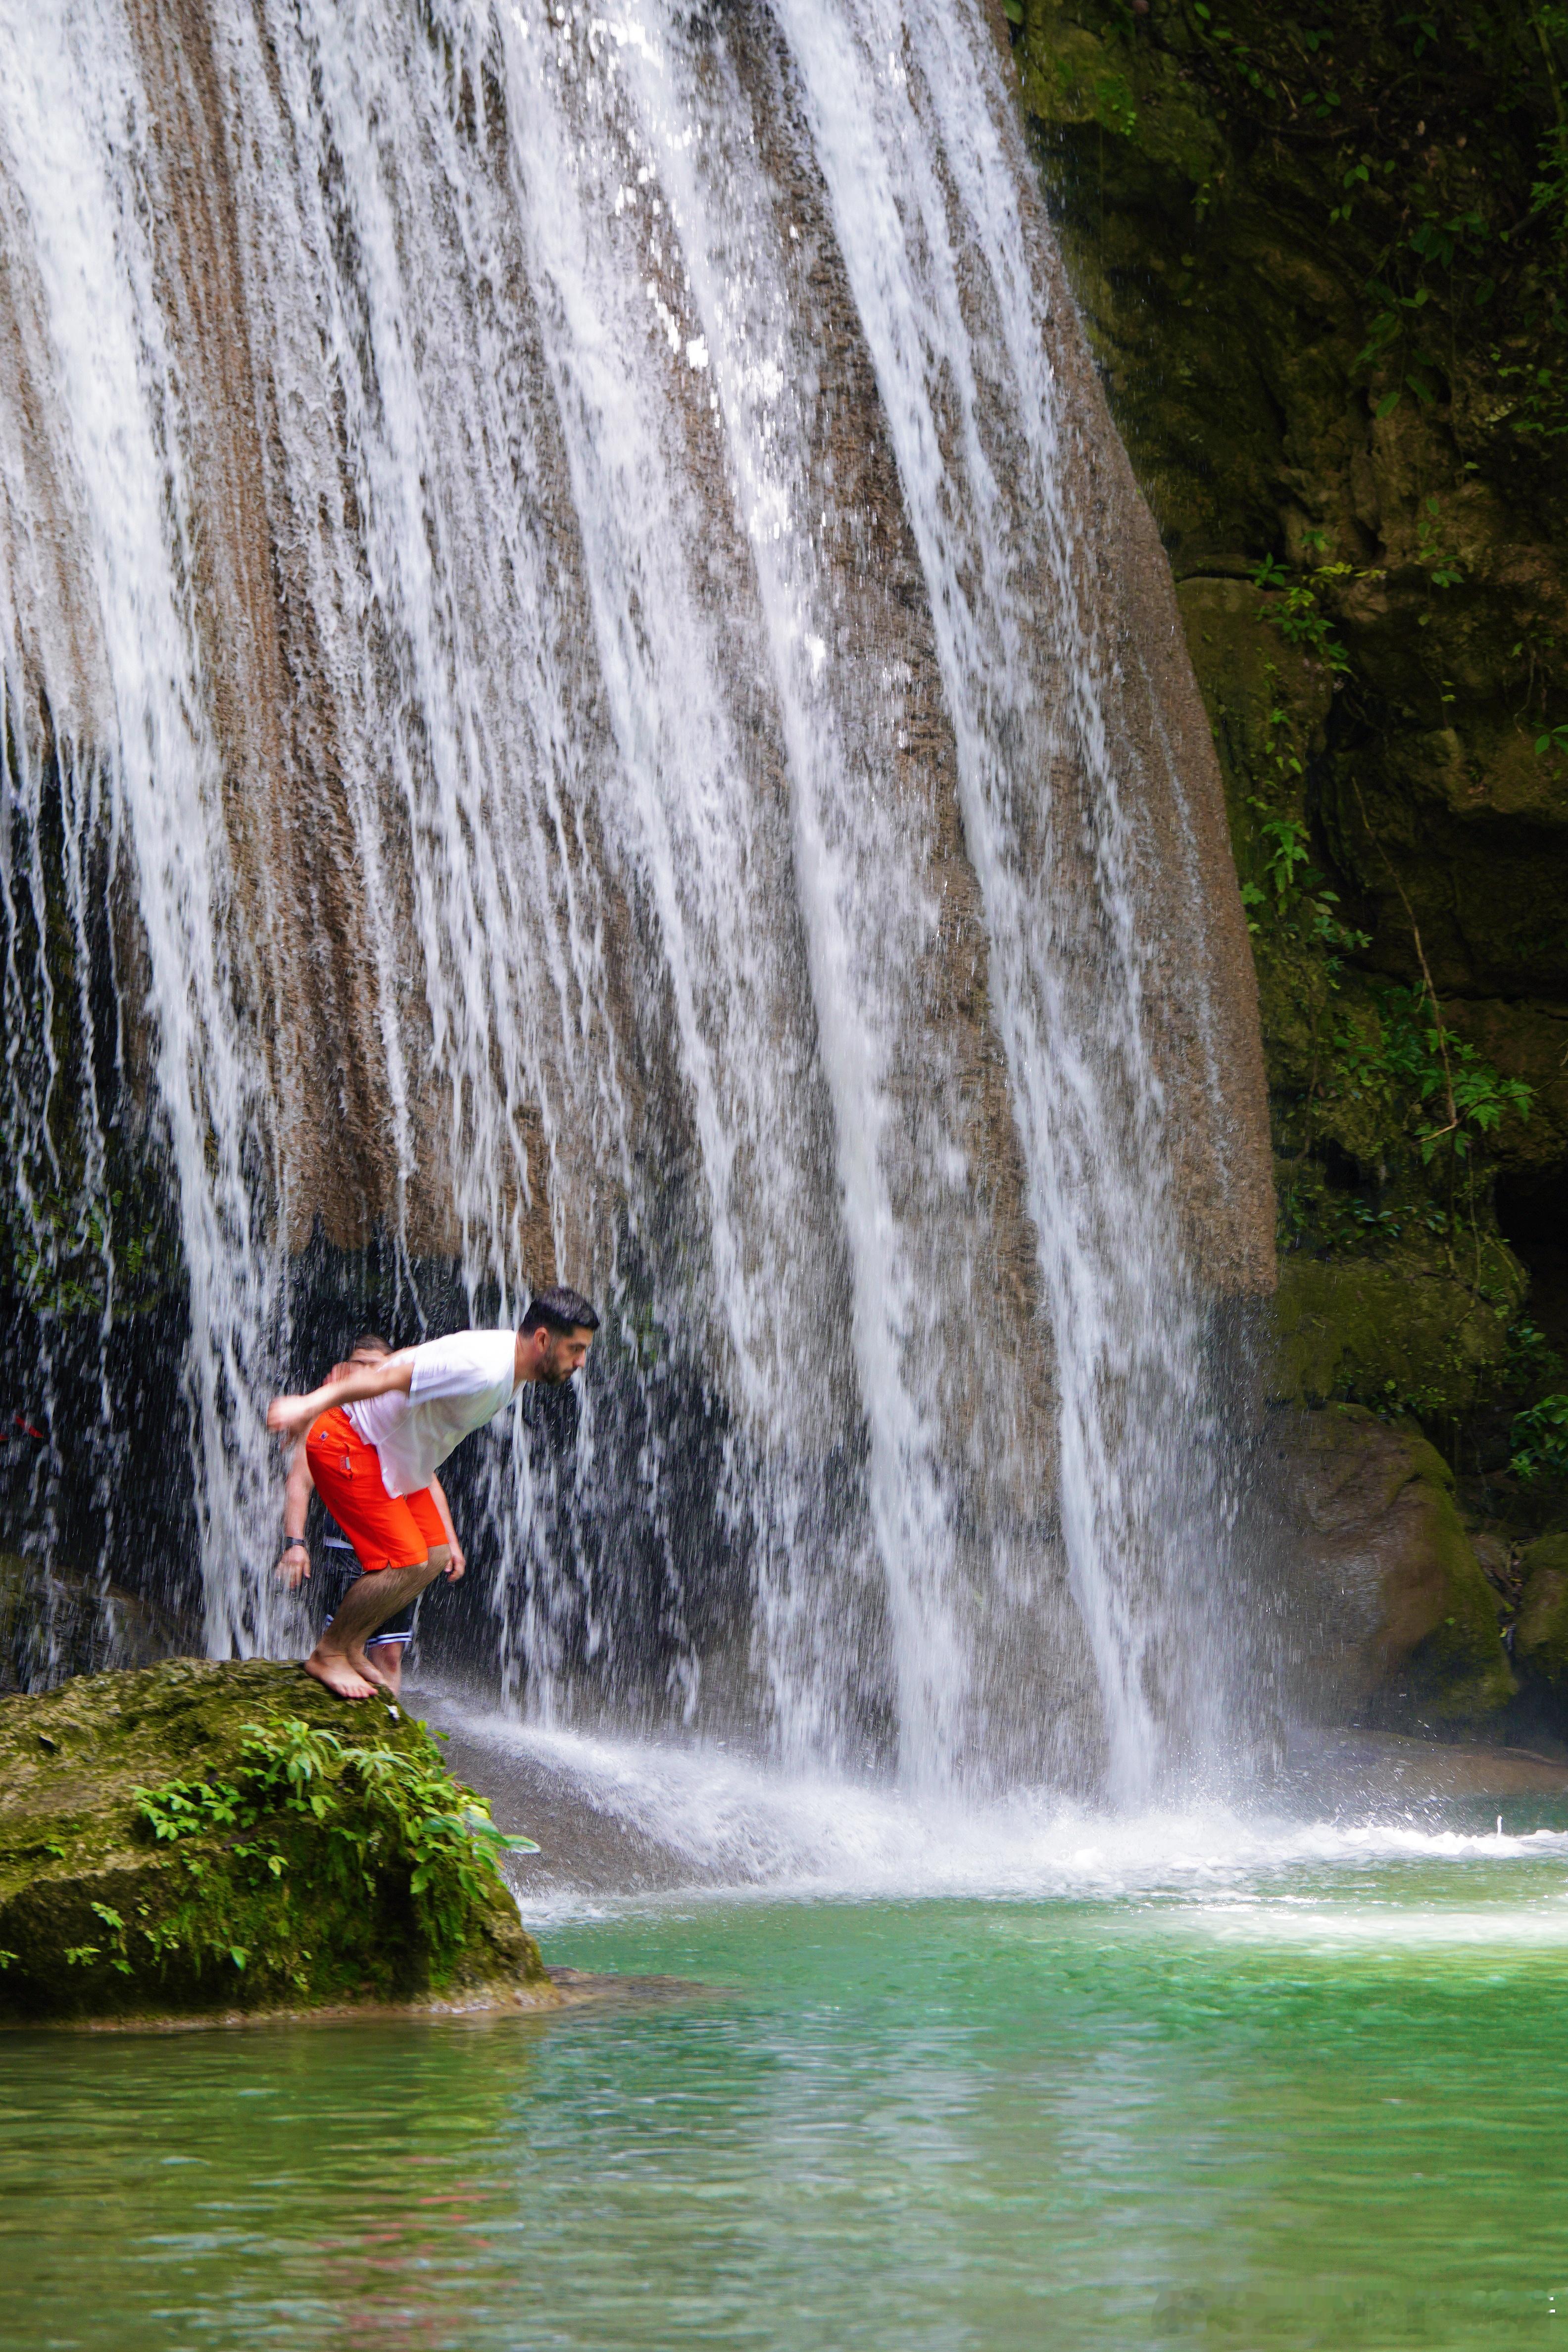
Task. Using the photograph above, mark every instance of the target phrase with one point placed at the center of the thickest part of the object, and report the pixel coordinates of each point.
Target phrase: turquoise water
(1313, 2102)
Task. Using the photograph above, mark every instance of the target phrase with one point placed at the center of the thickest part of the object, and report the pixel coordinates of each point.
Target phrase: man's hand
(291, 1416)
(456, 1565)
(293, 1567)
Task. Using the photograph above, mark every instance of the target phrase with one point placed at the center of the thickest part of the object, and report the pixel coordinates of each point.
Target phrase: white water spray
(703, 847)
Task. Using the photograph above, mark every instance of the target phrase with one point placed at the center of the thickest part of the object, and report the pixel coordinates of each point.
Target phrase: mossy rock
(1396, 1336)
(1530, 1039)
(320, 1891)
(1541, 1632)
(1267, 701)
(1267, 208)
(1071, 76)
(1413, 1637)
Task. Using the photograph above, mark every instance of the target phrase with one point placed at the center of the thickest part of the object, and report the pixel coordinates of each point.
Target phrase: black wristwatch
(295, 1543)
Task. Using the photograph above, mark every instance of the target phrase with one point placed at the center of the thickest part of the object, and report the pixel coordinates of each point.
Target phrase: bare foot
(361, 1663)
(331, 1668)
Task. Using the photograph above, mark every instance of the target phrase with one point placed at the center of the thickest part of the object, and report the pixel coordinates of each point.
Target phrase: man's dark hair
(559, 1309)
(371, 1340)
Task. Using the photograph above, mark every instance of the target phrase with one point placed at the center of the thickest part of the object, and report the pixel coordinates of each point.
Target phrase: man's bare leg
(386, 1658)
(338, 1659)
(361, 1663)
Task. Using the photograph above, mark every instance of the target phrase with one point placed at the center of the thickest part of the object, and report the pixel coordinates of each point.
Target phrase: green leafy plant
(1286, 849)
(1531, 1361)
(1283, 881)
(1540, 1442)
(1421, 1070)
(1296, 895)
(1323, 1218)
(76, 1251)
(1295, 606)
(1441, 568)
(1438, 140)
(342, 1821)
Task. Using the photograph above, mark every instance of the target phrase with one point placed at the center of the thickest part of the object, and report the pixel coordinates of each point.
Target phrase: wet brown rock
(1540, 1634)
(1412, 1627)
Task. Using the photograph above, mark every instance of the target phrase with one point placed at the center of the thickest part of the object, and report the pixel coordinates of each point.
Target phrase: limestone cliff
(1323, 267)
(611, 714)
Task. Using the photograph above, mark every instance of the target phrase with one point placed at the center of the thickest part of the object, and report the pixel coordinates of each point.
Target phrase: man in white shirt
(339, 1567)
(374, 1439)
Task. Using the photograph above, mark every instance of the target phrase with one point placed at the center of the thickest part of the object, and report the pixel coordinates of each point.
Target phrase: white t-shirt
(458, 1383)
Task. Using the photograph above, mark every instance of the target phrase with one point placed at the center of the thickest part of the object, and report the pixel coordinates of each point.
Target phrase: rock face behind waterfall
(297, 1892)
(594, 693)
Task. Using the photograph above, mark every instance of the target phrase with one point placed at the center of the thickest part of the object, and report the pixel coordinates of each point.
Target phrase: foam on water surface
(698, 1822)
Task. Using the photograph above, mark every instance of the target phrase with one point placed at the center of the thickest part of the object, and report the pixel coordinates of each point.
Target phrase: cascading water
(587, 691)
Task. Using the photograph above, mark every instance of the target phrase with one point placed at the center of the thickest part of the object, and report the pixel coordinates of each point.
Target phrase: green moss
(1530, 1036)
(1541, 1632)
(1397, 1338)
(1075, 74)
(1320, 260)
(1413, 1634)
(1457, 1674)
(299, 1883)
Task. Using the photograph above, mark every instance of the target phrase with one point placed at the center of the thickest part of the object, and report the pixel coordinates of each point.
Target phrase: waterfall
(588, 693)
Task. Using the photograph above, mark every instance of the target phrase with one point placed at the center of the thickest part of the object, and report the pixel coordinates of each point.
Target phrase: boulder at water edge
(1412, 1623)
(1540, 1634)
(195, 1838)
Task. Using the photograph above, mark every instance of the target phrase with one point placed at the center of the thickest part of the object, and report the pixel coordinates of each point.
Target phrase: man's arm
(295, 1563)
(457, 1562)
(291, 1416)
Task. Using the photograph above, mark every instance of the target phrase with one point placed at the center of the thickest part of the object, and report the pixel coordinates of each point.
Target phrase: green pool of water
(1329, 2109)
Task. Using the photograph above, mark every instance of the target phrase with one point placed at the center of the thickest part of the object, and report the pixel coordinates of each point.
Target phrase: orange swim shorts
(385, 1531)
